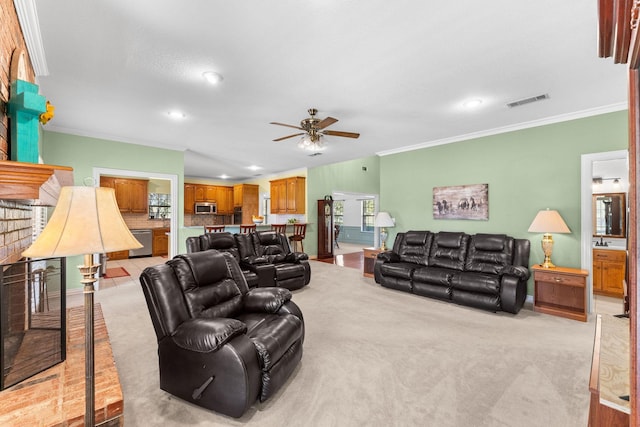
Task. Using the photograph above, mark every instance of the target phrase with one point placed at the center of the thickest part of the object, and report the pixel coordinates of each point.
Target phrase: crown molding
(28, 17)
(520, 126)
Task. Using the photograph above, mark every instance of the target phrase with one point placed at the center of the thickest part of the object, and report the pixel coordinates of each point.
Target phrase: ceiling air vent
(315, 154)
(528, 100)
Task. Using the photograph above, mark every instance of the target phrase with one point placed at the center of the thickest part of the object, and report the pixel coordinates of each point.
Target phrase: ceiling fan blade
(289, 136)
(283, 124)
(326, 122)
(340, 133)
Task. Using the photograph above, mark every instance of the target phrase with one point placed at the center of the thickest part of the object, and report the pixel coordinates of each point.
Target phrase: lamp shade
(548, 221)
(383, 219)
(86, 220)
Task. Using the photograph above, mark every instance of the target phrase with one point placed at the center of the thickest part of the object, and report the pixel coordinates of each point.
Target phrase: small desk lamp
(86, 221)
(383, 220)
(547, 222)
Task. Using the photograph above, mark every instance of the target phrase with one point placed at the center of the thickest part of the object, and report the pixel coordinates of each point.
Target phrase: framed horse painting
(461, 202)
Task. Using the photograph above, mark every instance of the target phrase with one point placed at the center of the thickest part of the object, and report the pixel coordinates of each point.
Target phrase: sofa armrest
(207, 335)
(520, 272)
(388, 256)
(266, 300)
(513, 293)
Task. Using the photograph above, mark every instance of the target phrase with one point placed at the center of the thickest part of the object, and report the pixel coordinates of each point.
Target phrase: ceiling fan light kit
(314, 131)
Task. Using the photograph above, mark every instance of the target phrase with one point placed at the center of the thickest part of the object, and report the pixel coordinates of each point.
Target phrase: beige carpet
(378, 357)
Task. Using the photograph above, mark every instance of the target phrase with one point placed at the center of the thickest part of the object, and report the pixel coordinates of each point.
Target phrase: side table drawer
(568, 280)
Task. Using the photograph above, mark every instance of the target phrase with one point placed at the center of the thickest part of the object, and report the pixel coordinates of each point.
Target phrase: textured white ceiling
(396, 72)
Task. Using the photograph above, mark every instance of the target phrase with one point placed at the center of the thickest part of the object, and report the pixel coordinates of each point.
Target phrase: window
(338, 212)
(368, 210)
(159, 206)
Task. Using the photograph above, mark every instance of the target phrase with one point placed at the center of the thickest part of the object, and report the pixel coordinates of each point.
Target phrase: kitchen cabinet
(160, 244)
(246, 197)
(288, 195)
(131, 194)
(222, 196)
(189, 198)
(112, 256)
(224, 200)
(609, 268)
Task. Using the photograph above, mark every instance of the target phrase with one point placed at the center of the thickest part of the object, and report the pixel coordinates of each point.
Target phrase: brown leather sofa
(221, 345)
(265, 257)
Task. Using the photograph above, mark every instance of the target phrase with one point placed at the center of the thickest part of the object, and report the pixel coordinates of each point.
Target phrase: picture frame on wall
(461, 202)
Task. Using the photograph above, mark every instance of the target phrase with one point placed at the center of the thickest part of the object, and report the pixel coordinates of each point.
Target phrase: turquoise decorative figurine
(25, 107)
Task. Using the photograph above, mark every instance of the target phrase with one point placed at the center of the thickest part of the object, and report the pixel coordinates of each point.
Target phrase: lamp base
(383, 239)
(547, 248)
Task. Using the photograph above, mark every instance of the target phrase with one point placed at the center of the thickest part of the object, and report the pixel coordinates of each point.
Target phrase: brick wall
(10, 39)
(15, 219)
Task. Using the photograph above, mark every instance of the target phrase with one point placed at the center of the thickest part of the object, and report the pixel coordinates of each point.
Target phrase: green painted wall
(346, 176)
(83, 154)
(526, 170)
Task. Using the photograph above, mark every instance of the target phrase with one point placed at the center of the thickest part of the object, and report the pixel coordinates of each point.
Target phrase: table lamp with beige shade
(383, 220)
(86, 221)
(548, 221)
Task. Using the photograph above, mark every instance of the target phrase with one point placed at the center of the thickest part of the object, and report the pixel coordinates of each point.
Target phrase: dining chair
(214, 228)
(279, 228)
(299, 231)
(247, 228)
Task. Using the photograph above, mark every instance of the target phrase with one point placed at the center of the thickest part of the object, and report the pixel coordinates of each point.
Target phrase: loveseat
(265, 257)
(487, 271)
(221, 345)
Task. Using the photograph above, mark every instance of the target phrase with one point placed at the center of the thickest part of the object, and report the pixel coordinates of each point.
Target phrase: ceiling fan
(314, 130)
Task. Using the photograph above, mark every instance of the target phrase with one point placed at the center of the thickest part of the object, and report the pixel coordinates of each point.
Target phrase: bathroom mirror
(609, 215)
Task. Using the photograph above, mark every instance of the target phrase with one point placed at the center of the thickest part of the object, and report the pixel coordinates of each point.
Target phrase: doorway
(588, 163)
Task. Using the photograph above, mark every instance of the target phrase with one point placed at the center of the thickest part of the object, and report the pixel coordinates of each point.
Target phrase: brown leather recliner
(221, 345)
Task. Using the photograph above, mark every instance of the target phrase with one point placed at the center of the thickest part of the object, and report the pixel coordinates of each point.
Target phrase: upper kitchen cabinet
(189, 198)
(246, 197)
(222, 196)
(131, 194)
(288, 195)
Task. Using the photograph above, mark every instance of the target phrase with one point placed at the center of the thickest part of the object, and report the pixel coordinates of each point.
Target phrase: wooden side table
(561, 291)
(370, 255)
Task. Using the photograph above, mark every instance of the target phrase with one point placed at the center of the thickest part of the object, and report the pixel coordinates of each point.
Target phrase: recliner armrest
(207, 335)
(266, 300)
(517, 271)
(253, 260)
(296, 257)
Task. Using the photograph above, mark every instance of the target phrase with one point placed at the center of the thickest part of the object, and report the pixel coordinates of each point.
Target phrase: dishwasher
(145, 237)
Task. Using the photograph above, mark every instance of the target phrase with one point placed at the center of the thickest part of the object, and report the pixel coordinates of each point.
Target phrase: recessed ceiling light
(175, 114)
(224, 176)
(212, 77)
(254, 167)
(472, 103)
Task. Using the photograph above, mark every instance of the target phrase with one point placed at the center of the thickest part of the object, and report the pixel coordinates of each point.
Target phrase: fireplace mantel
(23, 181)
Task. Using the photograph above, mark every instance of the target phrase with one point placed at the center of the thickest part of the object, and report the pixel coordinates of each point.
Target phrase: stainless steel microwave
(202, 208)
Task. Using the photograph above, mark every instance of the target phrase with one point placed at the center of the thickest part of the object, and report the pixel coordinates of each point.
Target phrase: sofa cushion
(435, 275)
(414, 247)
(489, 253)
(449, 250)
(402, 270)
(481, 283)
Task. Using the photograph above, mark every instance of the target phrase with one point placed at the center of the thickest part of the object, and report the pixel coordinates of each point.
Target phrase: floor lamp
(86, 221)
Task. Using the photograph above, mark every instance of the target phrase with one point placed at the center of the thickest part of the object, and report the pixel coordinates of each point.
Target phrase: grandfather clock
(325, 228)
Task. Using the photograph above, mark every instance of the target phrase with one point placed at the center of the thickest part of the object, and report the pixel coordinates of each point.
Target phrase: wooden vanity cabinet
(609, 272)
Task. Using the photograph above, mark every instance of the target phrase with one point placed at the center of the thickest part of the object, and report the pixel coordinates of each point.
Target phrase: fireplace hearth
(32, 318)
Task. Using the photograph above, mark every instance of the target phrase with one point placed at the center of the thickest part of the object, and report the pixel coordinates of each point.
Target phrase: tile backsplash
(142, 221)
